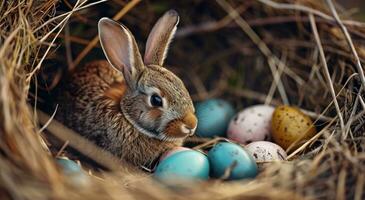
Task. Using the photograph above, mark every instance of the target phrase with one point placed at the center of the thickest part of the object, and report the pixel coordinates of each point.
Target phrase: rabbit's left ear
(121, 50)
(160, 37)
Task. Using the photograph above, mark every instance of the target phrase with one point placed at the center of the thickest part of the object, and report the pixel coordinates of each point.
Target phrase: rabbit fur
(134, 108)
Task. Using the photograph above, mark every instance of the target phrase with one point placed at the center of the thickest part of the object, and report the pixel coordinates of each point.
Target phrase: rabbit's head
(156, 101)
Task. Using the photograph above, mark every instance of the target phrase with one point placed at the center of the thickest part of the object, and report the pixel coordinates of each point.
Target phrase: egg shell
(184, 165)
(69, 166)
(251, 124)
(73, 171)
(290, 125)
(213, 117)
(264, 151)
(172, 152)
(225, 155)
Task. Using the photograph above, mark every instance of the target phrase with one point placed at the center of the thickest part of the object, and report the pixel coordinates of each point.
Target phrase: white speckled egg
(264, 151)
(251, 124)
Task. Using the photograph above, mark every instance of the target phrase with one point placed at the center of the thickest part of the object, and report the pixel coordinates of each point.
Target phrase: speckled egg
(289, 125)
(229, 156)
(213, 117)
(251, 124)
(264, 151)
(173, 151)
(184, 165)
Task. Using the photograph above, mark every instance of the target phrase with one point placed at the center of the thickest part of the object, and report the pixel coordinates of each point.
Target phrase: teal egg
(225, 155)
(69, 166)
(213, 116)
(186, 165)
(73, 171)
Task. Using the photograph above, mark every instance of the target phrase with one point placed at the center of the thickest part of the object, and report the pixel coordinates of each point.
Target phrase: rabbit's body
(134, 108)
(92, 98)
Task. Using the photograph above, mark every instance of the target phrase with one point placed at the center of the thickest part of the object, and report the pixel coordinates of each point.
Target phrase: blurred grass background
(357, 6)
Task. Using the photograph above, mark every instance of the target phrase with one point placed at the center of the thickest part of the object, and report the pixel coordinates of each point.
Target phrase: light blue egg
(69, 166)
(224, 155)
(213, 117)
(187, 165)
(73, 171)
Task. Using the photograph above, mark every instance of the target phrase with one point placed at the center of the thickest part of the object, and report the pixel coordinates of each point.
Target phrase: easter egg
(251, 124)
(172, 152)
(213, 117)
(264, 151)
(290, 125)
(184, 165)
(228, 156)
(73, 171)
(68, 166)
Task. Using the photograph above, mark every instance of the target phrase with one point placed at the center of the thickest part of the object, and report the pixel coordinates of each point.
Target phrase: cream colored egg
(264, 151)
(251, 124)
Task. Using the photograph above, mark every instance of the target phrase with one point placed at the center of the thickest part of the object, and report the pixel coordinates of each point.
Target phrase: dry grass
(299, 52)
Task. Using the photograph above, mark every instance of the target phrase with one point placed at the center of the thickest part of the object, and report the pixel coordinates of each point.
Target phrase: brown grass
(299, 52)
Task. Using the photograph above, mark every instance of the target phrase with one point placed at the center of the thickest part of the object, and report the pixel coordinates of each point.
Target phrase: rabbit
(136, 109)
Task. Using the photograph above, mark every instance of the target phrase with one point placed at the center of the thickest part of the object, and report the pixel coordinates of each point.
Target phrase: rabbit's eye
(156, 100)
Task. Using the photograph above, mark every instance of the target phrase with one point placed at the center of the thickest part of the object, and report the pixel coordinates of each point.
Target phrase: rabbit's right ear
(120, 49)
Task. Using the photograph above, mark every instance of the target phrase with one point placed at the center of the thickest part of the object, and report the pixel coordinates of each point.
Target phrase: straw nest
(299, 52)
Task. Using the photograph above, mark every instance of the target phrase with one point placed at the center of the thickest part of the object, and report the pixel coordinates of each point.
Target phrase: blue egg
(213, 116)
(225, 155)
(69, 166)
(187, 165)
(73, 171)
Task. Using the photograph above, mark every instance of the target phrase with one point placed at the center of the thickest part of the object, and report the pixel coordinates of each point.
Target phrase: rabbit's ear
(121, 50)
(160, 37)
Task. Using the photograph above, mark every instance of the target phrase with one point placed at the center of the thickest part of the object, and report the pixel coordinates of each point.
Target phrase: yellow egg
(290, 125)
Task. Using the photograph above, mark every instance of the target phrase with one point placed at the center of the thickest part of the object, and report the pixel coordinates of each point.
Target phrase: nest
(298, 52)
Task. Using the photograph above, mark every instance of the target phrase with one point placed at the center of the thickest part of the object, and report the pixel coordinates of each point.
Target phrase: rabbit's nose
(189, 123)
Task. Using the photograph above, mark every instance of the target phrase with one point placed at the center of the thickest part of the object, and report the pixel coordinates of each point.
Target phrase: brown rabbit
(134, 108)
